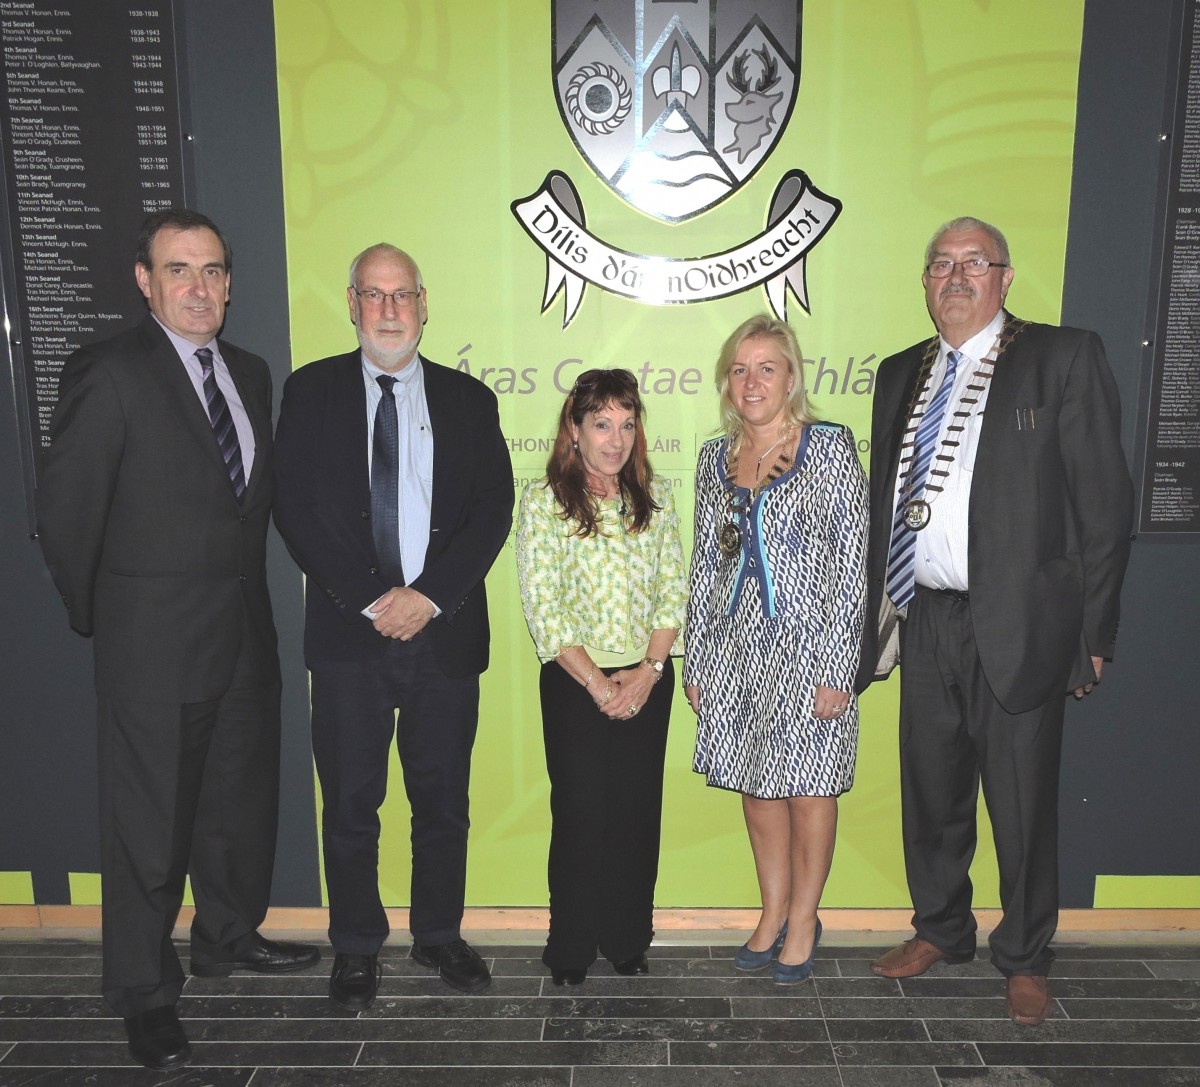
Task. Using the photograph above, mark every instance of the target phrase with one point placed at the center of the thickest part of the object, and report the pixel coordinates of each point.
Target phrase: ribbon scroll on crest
(798, 217)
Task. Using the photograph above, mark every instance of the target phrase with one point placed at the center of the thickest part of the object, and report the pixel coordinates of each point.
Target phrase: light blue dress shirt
(416, 457)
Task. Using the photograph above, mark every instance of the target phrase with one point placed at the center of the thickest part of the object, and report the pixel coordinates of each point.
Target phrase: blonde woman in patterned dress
(773, 627)
(602, 585)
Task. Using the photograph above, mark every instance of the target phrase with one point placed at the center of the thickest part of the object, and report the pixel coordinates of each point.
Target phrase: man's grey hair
(383, 247)
(969, 222)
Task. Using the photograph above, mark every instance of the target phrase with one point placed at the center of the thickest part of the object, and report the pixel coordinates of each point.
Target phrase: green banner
(610, 183)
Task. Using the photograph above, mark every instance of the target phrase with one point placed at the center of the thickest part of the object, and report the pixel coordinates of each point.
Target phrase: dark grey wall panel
(238, 182)
(1132, 747)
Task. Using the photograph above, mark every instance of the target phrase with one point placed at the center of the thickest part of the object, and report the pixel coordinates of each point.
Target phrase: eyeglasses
(376, 297)
(974, 267)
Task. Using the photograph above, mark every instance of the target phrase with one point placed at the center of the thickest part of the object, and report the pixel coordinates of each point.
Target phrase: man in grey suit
(1001, 507)
(153, 504)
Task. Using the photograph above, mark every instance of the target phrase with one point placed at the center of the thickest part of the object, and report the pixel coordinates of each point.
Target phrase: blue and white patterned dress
(785, 615)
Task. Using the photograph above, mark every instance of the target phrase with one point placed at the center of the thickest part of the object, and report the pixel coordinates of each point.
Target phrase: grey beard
(386, 360)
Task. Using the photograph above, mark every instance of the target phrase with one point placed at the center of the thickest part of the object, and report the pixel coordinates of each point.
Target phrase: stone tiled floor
(1124, 1016)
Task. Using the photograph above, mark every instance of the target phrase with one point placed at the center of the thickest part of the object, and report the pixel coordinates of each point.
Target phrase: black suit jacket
(1050, 512)
(144, 538)
(323, 510)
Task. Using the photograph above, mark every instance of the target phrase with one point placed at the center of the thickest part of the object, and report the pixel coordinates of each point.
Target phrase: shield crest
(676, 103)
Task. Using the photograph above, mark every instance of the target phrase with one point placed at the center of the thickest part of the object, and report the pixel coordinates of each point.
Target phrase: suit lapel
(348, 412)
(441, 412)
(898, 412)
(1007, 378)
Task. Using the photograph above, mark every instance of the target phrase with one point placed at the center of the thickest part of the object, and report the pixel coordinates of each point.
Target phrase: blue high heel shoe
(745, 959)
(786, 974)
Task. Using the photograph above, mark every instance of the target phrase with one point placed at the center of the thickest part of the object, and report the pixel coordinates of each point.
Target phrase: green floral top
(607, 592)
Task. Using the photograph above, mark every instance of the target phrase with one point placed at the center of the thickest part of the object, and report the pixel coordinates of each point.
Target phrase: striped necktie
(222, 423)
(901, 583)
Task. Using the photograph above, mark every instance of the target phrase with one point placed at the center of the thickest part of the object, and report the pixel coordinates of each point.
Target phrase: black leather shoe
(156, 1039)
(568, 977)
(632, 967)
(263, 957)
(457, 962)
(354, 981)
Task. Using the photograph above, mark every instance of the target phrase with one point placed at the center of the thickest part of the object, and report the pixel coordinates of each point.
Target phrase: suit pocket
(1030, 422)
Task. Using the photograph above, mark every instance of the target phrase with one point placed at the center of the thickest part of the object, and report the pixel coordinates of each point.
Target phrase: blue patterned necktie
(222, 423)
(385, 484)
(901, 583)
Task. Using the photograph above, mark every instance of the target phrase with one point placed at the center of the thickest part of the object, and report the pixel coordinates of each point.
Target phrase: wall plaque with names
(1169, 416)
(91, 142)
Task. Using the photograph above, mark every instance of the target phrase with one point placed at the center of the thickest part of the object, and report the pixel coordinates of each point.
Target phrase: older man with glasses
(1001, 507)
(394, 495)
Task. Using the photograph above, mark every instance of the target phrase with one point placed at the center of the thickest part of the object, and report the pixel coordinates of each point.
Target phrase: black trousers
(354, 719)
(953, 734)
(191, 788)
(606, 781)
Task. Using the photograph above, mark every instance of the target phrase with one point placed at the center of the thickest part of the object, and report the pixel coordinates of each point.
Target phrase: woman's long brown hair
(594, 391)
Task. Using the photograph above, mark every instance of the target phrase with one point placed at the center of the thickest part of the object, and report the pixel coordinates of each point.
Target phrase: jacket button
(374, 569)
(366, 514)
(241, 577)
(242, 518)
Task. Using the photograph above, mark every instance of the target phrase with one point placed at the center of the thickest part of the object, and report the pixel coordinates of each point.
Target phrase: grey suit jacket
(1050, 512)
(144, 538)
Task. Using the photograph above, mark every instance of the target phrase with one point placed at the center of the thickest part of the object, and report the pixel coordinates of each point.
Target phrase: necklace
(758, 463)
(919, 508)
(729, 539)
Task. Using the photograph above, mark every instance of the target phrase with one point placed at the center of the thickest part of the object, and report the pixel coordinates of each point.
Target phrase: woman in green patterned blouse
(602, 585)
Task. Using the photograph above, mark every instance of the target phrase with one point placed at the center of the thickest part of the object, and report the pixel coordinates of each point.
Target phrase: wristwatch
(656, 666)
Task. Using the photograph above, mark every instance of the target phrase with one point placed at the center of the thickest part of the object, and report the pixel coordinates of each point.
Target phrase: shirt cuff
(370, 614)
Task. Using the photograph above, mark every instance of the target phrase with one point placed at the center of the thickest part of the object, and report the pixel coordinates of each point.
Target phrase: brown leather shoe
(1028, 999)
(913, 957)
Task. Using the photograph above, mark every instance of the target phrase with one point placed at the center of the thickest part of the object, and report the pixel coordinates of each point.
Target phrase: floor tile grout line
(837, 1064)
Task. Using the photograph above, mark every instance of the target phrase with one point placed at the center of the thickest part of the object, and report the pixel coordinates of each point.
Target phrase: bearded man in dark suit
(1001, 507)
(153, 504)
(394, 494)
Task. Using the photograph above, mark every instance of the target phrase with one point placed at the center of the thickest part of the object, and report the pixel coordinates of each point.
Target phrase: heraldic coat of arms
(676, 103)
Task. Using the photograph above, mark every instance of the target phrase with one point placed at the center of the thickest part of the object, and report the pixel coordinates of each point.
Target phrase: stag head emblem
(752, 114)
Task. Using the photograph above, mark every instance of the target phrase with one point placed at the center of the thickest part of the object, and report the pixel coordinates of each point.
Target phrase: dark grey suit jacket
(323, 510)
(151, 551)
(1050, 512)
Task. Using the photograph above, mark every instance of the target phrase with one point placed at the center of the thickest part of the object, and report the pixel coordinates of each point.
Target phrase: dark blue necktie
(385, 484)
(901, 583)
(222, 423)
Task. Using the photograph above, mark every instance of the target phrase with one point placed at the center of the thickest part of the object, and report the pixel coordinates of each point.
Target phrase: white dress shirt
(941, 555)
